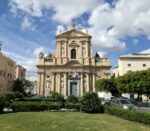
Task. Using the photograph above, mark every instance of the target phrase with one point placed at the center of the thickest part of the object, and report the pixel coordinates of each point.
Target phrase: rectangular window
(0, 72)
(129, 65)
(144, 65)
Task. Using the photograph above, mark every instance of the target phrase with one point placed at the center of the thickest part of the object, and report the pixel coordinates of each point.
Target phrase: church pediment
(73, 33)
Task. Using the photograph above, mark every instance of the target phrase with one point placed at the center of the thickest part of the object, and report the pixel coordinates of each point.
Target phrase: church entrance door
(73, 88)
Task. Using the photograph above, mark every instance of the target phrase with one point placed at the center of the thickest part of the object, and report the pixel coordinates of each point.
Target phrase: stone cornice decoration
(73, 62)
(73, 75)
(73, 45)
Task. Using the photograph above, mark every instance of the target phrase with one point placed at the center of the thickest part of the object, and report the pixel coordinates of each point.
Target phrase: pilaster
(81, 85)
(53, 82)
(93, 82)
(58, 83)
(65, 84)
(88, 85)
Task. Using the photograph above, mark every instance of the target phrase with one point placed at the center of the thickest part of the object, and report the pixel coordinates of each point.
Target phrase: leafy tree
(22, 85)
(134, 82)
(106, 85)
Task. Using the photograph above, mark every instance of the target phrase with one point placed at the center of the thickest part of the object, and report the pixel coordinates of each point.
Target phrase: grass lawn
(66, 121)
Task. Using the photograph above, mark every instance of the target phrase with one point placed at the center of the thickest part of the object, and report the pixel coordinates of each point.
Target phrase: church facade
(73, 68)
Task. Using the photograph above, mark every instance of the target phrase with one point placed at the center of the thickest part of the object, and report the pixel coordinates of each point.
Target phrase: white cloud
(26, 24)
(135, 41)
(102, 54)
(31, 7)
(147, 51)
(110, 24)
(38, 50)
(65, 10)
(60, 29)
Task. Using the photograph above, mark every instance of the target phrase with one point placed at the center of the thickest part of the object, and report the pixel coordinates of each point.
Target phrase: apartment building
(131, 62)
(20, 72)
(7, 72)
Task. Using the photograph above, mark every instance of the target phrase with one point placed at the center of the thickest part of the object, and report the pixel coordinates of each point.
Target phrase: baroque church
(73, 68)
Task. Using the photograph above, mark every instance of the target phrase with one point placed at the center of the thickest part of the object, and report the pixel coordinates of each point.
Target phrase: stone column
(53, 82)
(58, 83)
(88, 85)
(93, 83)
(59, 51)
(65, 84)
(81, 85)
(60, 46)
(66, 49)
(81, 52)
(42, 85)
(87, 50)
(38, 84)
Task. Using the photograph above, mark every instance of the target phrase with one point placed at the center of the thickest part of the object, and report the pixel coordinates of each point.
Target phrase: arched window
(73, 54)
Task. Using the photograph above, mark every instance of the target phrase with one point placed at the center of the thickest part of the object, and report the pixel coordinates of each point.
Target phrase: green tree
(106, 85)
(134, 82)
(22, 85)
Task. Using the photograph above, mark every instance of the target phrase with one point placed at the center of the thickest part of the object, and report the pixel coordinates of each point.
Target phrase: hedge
(35, 99)
(35, 106)
(133, 115)
(71, 105)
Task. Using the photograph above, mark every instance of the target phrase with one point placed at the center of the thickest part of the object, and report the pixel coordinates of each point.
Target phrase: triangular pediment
(73, 33)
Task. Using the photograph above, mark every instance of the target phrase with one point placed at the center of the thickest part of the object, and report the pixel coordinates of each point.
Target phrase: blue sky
(117, 27)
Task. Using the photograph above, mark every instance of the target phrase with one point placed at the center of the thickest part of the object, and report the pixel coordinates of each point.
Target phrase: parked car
(146, 104)
(122, 103)
(142, 106)
(105, 101)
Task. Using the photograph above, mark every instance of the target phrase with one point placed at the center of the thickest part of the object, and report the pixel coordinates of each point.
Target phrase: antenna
(0, 45)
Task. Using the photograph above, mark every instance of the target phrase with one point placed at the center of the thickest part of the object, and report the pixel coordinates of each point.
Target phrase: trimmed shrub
(18, 95)
(2, 104)
(133, 115)
(56, 97)
(72, 102)
(71, 105)
(8, 97)
(90, 103)
(34, 99)
(35, 106)
(72, 99)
